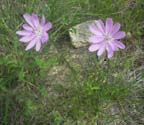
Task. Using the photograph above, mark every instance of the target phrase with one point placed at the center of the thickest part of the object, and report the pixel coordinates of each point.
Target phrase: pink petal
(94, 30)
(115, 28)
(43, 20)
(109, 24)
(119, 35)
(95, 39)
(28, 19)
(27, 27)
(120, 45)
(47, 26)
(38, 45)
(27, 38)
(110, 51)
(113, 45)
(23, 33)
(101, 49)
(35, 20)
(100, 26)
(31, 44)
(45, 37)
(94, 47)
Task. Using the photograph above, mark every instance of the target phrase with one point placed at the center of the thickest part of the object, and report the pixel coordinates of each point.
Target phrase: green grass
(26, 98)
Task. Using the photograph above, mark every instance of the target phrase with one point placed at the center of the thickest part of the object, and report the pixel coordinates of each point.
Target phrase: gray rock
(80, 33)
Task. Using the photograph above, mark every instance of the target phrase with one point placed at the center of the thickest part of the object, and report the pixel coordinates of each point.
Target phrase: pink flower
(34, 32)
(106, 37)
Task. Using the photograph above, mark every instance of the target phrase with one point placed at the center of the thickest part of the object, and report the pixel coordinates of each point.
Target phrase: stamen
(108, 38)
(38, 32)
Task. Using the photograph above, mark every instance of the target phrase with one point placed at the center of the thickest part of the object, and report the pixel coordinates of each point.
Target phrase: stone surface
(80, 33)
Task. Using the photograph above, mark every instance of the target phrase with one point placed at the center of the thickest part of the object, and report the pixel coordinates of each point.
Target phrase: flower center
(108, 38)
(38, 32)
